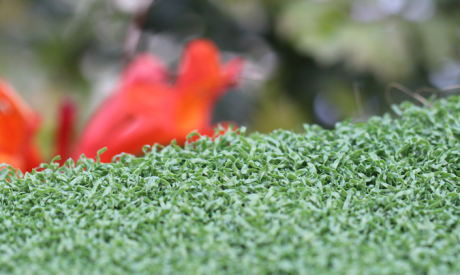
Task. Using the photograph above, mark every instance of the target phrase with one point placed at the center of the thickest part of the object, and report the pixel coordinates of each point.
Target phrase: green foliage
(391, 46)
(380, 197)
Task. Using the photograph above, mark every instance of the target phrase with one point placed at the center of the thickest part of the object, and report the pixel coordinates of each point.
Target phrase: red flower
(146, 108)
(65, 130)
(18, 124)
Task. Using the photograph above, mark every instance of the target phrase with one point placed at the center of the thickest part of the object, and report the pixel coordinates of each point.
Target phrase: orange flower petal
(147, 109)
(18, 123)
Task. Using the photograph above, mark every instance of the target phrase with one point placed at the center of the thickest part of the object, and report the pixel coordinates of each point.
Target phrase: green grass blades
(380, 197)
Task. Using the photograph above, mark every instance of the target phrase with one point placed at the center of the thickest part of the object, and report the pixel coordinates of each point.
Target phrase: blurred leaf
(277, 111)
(388, 47)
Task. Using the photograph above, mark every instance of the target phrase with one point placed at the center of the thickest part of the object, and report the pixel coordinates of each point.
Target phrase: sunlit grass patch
(380, 197)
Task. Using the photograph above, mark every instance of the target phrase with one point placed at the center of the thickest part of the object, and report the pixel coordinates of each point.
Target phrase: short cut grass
(380, 197)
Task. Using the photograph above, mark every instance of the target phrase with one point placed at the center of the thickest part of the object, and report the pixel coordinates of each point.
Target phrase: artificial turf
(380, 197)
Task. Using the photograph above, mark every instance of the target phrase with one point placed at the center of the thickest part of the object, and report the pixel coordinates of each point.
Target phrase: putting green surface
(380, 197)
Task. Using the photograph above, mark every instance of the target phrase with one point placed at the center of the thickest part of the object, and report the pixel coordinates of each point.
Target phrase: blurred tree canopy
(306, 59)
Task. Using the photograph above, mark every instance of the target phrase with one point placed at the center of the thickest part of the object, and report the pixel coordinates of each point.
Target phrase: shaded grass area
(380, 197)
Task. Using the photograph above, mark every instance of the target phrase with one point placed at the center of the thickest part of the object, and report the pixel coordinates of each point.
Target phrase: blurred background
(306, 60)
